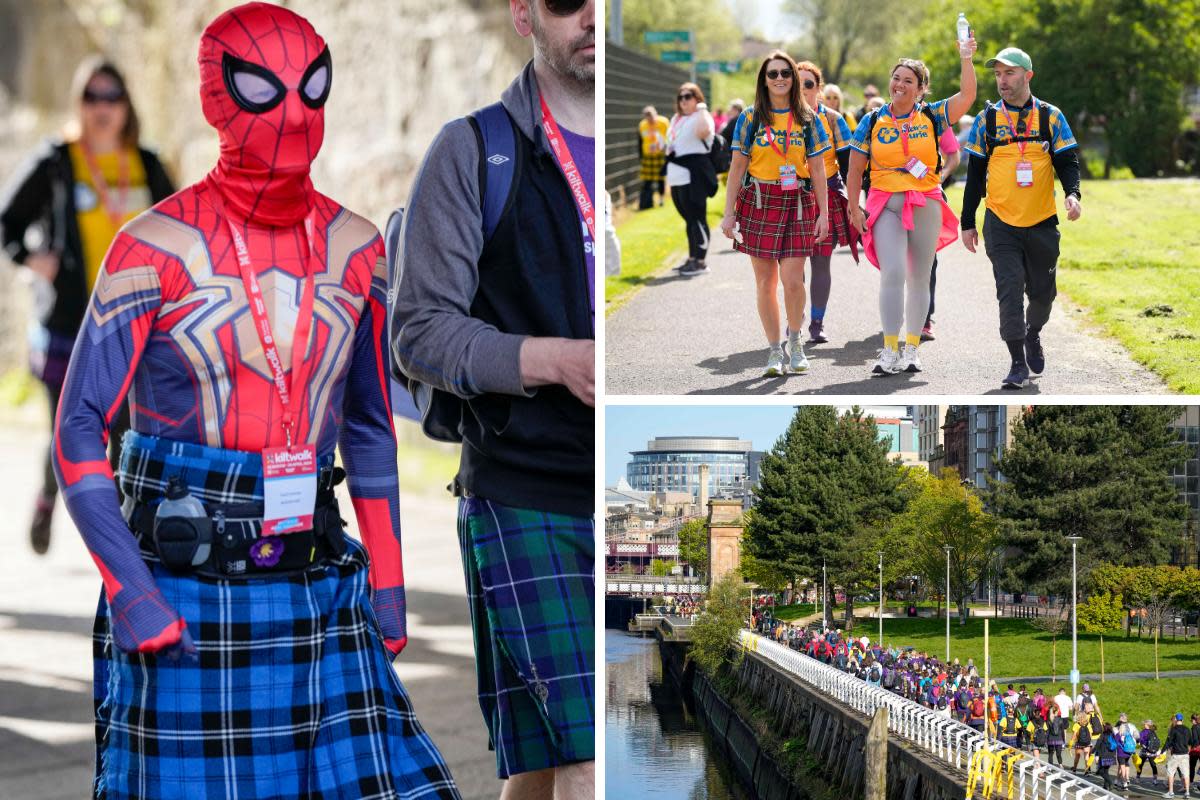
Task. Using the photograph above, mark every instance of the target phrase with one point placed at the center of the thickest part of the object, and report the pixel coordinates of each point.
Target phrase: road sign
(730, 67)
(676, 55)
(1074, 676)
(662, 37)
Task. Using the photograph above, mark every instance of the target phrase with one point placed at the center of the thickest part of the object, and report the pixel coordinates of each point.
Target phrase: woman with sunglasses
(59, 214)
(838, 131)
(779, 210)
(690, 173)
(907, 219)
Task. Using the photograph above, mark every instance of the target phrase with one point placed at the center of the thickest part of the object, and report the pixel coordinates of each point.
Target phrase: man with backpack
(1014, 145)
(492, 327)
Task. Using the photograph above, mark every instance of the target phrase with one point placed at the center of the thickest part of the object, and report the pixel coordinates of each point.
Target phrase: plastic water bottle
(964, 27)
(181, 518)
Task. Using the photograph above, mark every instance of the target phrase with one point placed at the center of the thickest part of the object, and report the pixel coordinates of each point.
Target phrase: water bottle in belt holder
(182, 529)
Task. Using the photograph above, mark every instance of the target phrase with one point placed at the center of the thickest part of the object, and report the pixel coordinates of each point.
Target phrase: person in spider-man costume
(217, 684)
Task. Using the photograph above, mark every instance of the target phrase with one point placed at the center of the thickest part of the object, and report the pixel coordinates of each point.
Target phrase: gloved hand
(143, 622)
(389, 611)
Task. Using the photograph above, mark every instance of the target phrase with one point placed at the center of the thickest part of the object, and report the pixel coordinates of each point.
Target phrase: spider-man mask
(264, 77)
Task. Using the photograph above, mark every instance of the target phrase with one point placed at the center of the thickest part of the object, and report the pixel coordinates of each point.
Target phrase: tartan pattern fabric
(530, 585)
(839, 225)
(291, 695)
(652, 166)
(773, 231)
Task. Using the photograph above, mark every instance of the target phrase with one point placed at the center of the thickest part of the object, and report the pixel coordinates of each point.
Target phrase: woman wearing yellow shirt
(777, 206)
(59, 214)
(838, 131)
(907, 218)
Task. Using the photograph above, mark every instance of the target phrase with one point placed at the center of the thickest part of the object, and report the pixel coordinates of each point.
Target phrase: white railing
(945, 738)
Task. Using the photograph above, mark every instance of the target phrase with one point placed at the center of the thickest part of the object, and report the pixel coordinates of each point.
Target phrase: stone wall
(402, 68)
(832, 736)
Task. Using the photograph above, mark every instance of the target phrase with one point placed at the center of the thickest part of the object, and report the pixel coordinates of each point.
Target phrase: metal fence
(945, 738)
(633, 81)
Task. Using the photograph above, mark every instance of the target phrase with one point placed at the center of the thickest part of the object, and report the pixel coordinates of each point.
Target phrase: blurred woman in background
(59, 214)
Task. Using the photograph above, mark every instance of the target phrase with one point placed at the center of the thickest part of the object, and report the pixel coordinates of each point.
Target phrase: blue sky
(628, 428)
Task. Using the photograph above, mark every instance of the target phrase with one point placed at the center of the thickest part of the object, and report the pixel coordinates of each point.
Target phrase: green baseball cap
(1011, 56)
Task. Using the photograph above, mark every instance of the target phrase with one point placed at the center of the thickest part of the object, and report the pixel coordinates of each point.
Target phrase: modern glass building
(672, 464)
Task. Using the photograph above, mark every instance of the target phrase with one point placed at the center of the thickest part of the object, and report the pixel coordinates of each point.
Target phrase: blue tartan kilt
(291, 695)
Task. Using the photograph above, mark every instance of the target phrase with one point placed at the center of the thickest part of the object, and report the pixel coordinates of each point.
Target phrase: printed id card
(289, 489)
(916, 167)
(1024, 173)
(787, 177)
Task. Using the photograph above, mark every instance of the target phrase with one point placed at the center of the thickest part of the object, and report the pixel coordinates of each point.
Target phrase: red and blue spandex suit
(170, 329)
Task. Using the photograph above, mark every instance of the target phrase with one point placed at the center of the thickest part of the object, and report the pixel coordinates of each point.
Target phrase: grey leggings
(905, 254)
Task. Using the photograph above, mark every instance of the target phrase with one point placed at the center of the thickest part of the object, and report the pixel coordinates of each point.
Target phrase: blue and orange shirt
(769, 146)
(1017, 205)
(885, 147)
(838, 134)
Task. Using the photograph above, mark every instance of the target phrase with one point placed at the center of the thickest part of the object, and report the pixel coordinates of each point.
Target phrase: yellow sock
(913, 340)
(891, 342)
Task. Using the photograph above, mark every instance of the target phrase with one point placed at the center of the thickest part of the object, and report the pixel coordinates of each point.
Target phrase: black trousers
(646, 197)
(1024, 261)
(691, 202)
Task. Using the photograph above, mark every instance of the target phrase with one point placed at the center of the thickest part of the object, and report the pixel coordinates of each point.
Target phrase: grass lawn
(1132, 261)
(1017, 649)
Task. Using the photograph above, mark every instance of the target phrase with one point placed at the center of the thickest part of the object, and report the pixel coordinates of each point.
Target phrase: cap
(1087, 688)
(1179, 717)
(1011, 56)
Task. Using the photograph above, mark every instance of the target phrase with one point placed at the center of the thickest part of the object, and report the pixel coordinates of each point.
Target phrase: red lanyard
(115, 213)
(902, 128)
(562, 154)
(1013, 128)
(262, 325)
(786, 142)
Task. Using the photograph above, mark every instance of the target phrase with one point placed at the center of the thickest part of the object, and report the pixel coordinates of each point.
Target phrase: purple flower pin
(267, 551)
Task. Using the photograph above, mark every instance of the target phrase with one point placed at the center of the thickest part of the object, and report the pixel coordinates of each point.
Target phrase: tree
(1099, 472)
(1053, 622)
(1158, 612)
(942, 513)
(765, 575)
(715, 632)
(660, 568)
(693, 545)
(1101, 612)
(838, 31)
(826, 479)
(716, 32)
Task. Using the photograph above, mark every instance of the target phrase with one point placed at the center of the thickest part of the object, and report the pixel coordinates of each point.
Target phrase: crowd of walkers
(1044, 726)
(797, 163)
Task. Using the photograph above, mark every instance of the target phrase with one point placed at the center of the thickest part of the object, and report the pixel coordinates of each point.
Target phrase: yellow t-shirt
(96, 228)
(771, 147)
(838, 134)
(885, 150)
(654, 137)
(1020, 206)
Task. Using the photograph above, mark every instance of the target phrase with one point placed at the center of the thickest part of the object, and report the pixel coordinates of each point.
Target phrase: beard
(562, 57)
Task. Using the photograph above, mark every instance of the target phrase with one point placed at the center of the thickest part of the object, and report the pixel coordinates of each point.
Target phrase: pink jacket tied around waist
(877, 199)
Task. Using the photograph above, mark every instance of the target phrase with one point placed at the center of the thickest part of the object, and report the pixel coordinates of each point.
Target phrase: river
(654, 747)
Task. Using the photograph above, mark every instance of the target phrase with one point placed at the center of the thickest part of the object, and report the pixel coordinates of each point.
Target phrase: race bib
(289, 489)
(916, 167)
(787, 177)
(1024, 173)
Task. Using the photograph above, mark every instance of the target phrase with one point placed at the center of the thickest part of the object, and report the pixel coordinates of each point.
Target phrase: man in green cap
(1012, 148)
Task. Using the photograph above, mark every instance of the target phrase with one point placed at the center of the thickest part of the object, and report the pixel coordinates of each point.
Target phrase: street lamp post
(824, 598)
(1074, 540)
(881, 598)
(947, 548)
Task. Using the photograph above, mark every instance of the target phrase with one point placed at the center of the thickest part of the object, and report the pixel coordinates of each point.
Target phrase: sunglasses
(564, 8)
(93, 96)
(772, 74)
(810, 84)
(687, 96)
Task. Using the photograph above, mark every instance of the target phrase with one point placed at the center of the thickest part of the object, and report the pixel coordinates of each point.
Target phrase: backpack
(876, 673)
(719, 154)
(1128, 745)
(889, 678)
(1095, 725)
(990, 138)
(977, 709)
(441, 412)
(1083, 736)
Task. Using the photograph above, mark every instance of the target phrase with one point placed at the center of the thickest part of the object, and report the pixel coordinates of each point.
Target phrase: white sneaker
(888, 363)
(1168, 794)
(909, 360)
(799, 361)
(775, 366)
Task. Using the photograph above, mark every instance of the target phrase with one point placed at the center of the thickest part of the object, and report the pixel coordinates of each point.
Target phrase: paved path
(46, 610)
(1108, 676)
(701, 335)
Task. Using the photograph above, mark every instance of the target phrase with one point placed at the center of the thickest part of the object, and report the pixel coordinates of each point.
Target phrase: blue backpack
(441, 412)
